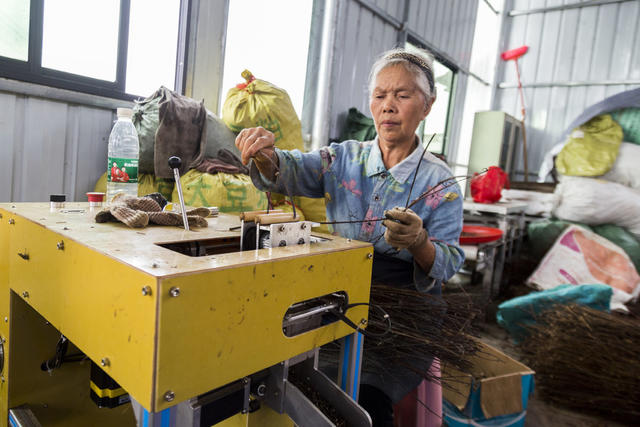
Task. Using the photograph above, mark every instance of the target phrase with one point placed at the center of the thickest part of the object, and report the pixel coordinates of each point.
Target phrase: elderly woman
(369, 180)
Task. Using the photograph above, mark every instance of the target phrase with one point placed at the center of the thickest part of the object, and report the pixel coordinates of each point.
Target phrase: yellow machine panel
(91, 299)
(166, 326)
(234, 327)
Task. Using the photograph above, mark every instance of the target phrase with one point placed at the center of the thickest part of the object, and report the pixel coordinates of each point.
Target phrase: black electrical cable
(57, 359)
(341, 314)
(61, 356)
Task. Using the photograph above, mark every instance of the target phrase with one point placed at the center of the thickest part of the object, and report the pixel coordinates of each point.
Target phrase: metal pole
(321, 116)
(524, 128)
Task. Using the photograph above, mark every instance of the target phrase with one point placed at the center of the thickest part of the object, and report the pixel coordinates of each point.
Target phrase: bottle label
(122, 170)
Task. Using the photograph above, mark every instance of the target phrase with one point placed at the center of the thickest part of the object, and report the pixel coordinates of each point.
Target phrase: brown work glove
(132, 211)
(404, 229)
(138, 212)
(196, 218)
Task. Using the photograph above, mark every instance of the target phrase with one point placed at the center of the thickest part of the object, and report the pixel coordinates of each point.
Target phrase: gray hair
(418, 62)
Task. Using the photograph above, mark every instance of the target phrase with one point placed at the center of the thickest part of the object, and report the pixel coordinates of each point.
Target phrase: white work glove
(404, 229)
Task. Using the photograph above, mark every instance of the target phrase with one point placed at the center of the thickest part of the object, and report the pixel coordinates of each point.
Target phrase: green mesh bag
(629, 121)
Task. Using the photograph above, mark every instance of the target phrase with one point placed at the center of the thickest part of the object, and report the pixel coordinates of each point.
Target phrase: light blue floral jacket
(356, 185)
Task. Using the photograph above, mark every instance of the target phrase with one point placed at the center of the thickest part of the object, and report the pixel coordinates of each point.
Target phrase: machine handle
(175, 162)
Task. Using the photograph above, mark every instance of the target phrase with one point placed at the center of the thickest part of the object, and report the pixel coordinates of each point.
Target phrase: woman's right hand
(258, 143)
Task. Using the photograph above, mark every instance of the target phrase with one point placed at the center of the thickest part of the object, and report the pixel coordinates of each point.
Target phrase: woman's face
(397, 105)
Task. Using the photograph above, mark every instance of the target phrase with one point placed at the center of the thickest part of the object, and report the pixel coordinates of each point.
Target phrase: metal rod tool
(174, 163)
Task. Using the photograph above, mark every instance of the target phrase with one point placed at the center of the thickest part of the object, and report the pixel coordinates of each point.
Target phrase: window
(438, 119)
(14, 29)
(88, 47)
(115, 48)
(270, 39)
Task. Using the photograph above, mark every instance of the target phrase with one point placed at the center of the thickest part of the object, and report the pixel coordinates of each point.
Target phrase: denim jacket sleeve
(301, 174)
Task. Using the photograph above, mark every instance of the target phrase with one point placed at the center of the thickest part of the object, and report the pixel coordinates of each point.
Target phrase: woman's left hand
(404, 229)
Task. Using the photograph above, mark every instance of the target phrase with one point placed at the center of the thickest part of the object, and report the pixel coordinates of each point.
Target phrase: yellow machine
(186, 323)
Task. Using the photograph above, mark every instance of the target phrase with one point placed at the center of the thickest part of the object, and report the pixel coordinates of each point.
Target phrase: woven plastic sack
(259, 103)
(629, 121)
(537, 203)
(626, 169)
(594, 202)
(314, 210)
(147, 184)
(622, 238)
(487, 188)
(582, 257)
(592, 148)
(228, 192)
(146, 119)
(542, 234)
(285, 206)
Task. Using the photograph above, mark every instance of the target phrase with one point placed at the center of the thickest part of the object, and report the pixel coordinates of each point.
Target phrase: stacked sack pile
(590, 261)
(228, 188)
(259, 103)
(216, 177)
(596, 224)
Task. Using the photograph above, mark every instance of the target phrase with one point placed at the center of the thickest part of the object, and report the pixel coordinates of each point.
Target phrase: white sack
(538, 203)
(595, 201)
(626, 169)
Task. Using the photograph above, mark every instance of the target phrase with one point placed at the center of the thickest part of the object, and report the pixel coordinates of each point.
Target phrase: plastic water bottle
(124, 148)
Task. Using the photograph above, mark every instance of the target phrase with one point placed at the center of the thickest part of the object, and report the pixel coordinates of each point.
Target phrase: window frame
(32, 71)
(454, 80)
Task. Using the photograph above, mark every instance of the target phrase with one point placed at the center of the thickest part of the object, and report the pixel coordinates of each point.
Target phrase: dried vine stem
(423, 326)
(587, 360)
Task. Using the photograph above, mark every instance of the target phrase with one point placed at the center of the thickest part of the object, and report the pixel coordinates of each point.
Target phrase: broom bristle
(588, 360)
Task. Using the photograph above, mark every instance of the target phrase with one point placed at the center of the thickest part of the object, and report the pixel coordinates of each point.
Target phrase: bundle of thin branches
(422, 327)
(419, 328)
(587, 360)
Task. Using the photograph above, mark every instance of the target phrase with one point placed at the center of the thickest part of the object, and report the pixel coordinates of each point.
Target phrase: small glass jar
(57, 201)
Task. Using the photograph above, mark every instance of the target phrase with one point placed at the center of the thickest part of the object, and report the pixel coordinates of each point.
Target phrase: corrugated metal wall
(50, 147)
(586, 46)
(361, 37)
(445, 26)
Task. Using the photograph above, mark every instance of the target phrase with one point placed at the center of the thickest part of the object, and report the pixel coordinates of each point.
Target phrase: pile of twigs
(420, 327)
(587, 360)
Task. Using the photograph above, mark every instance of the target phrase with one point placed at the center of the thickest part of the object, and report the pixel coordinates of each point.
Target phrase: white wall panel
(585, 46)
(50, 147)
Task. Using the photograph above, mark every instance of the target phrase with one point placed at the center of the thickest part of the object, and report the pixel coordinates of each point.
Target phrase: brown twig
(587, 360)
